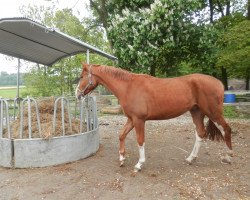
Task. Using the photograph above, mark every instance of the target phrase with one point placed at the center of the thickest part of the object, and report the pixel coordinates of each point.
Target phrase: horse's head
(87, 82)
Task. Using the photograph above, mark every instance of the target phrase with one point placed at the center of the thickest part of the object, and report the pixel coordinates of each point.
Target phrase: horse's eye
(76, 80)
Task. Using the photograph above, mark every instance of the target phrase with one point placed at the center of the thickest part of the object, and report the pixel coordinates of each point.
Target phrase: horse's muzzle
(78, 93)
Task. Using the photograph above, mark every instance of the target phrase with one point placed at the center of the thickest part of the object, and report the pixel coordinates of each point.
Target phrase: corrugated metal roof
(26, 39)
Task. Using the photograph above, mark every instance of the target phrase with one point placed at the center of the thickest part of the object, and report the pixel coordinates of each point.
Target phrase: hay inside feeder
(46, 113)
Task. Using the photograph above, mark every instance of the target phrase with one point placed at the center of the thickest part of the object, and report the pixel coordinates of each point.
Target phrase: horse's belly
(168, 110)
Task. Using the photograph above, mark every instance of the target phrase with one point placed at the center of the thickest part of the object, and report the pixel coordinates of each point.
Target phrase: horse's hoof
(226, 160)
(135, 171)
(190, 161)
(230, 153)
(122, 163)
(133, 174)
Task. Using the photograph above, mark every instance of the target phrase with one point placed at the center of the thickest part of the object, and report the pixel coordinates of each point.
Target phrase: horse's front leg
(140, 134)
(123, 134)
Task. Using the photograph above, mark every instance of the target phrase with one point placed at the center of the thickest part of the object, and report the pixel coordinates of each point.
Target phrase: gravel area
(165, 174)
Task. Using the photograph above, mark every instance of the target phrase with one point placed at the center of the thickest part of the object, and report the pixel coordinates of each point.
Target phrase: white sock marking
(141, 158)
(122, 158)
(196, 148)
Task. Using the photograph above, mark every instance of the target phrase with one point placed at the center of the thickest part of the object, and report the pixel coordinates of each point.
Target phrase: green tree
(147, 35)
(168, 37)
(235, 50)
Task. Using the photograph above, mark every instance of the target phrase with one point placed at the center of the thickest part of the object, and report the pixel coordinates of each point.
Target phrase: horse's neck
(116, 85)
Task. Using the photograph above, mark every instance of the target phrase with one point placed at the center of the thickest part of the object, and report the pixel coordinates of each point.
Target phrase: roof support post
(87, 56)
(87, 101)
(18, 78)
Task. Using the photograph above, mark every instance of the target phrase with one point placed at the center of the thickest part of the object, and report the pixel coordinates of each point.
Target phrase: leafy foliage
(150, 32)
(235, 48)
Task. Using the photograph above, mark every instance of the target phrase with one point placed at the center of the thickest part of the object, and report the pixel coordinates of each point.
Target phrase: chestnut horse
(143, 97)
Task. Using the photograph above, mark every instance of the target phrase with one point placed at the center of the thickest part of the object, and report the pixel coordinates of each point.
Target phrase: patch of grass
(232, 112)
(10, 92)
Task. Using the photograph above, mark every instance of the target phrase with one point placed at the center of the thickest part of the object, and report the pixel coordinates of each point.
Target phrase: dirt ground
(165, 174)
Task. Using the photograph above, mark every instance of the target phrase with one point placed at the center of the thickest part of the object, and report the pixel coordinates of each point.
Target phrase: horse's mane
(117, 73)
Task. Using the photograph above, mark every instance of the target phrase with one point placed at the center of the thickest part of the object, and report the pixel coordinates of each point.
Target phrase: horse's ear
(84, 66)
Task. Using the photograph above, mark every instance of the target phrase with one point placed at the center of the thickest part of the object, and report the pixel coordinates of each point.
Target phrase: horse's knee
(121, 137)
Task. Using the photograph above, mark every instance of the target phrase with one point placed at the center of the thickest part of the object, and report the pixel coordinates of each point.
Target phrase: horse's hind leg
(198, 119)
(123, 134)
(226, 132)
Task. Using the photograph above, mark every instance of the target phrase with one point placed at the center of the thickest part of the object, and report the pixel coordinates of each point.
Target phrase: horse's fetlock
(190, 159)
(138, 167)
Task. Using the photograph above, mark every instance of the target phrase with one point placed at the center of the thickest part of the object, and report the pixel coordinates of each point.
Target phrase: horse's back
(157, 98)
(205, 84)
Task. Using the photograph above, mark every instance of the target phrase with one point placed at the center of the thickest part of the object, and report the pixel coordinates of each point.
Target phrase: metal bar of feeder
(70, 124)
(81, 115)
(38, 117)
(1, 118)
(14, 110)
(7, 117)
(87, 114)
(90, 110)
(29, 118)
(87, 99)
(16, 107)
(94, 113)
(62, 114)
(21, 120)
(54, 116)
(4, 116)
(63, 99)
(29, 100)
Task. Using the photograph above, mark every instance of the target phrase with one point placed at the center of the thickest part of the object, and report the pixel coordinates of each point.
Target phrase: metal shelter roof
(29, 40)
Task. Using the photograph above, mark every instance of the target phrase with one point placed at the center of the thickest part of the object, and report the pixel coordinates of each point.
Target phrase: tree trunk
(152, 70)
(220, 7)
(247, 78)
(101, 9)
(228, 8)
(224, 77)
(211, 7)
(248, 10)
(248, 69)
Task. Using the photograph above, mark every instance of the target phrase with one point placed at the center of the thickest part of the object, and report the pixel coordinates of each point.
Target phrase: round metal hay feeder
(36, 151)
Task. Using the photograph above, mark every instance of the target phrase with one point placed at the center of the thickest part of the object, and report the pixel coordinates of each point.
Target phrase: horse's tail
(212, 132)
